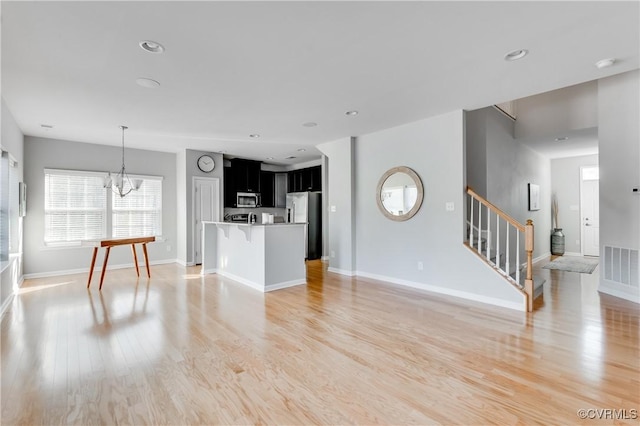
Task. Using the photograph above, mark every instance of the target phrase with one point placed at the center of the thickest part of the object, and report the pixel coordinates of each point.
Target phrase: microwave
(248, 199)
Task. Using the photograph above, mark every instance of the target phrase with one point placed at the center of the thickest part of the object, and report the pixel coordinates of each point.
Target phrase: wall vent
(621, 266)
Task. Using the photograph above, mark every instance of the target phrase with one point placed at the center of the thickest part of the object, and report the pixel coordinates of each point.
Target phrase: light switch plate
(449, 206)
(333, 209)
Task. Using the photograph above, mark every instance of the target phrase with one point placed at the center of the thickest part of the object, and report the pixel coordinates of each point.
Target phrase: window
(75, 207)
(140, 212)
(78, 207)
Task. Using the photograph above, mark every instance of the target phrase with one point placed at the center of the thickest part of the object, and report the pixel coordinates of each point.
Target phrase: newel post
(528, 247)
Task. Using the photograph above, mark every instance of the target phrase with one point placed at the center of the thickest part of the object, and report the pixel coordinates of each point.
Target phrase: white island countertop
(262, 256)
(256, 224)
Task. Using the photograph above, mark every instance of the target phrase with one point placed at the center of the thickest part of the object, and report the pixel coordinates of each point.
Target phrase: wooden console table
(117, 242)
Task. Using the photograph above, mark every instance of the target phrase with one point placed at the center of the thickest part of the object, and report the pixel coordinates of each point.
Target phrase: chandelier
(121, 184)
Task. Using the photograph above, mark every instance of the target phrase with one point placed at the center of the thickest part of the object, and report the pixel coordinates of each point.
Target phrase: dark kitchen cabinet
(229, 188)
(309, 179)
(246, 175)
(267, 188)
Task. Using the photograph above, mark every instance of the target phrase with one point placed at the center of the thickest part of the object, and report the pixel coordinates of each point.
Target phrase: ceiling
(231, 69)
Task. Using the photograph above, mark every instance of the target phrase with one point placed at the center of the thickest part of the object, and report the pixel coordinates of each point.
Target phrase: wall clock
(206, 163)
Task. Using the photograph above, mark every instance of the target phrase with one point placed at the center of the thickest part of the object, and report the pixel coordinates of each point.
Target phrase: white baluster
(471, 223)
(518, 257)
(488, 234)
(479, 226)
(498, 240)
(507, 250)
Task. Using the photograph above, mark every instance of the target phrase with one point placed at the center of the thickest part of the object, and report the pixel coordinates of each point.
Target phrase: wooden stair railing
(511, 229)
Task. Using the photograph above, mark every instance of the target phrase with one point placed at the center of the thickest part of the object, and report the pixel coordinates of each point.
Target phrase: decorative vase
(557, 242)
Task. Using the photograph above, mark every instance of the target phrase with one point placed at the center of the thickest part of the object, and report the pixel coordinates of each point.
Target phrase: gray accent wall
(389, 250)
(565, 183)
(619, 136)
(41, 153)
(509, 166)
(192, 170)
(13, 142)
(341, 197)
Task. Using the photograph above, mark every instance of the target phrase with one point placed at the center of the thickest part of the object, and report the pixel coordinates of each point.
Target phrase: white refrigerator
(306, 207)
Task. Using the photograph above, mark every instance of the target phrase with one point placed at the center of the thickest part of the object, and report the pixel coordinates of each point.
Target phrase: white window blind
(75, 207)
(139, 213)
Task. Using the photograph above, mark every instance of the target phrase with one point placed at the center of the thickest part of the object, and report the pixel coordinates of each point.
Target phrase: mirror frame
(413, 175)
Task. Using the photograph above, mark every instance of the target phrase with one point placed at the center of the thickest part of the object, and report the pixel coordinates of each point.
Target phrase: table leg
(104, 266)
(93, 263)
(146, 259)
(135, 258)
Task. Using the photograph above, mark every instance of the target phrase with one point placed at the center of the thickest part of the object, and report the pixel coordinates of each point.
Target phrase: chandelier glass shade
(121, 184)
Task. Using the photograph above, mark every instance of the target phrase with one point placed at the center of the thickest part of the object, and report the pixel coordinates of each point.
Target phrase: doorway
(589, 210)
(206, 208)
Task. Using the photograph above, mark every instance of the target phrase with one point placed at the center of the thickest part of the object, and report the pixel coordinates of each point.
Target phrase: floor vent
(621, 266)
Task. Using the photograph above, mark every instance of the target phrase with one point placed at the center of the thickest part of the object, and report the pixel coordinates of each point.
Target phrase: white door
(206, 207)
(590, 210)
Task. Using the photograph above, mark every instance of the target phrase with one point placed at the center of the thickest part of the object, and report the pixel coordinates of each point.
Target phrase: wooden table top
(109, 242)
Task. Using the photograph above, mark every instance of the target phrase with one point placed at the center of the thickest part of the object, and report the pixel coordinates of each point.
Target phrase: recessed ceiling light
(604, 63)
(310, 124)
(563, 138)
(255, 135)
(148, 83)
(269, 158)
(301, 150)
(151, 46)
(514, 55)
(46, 126)
(352, 112)
(291, 157)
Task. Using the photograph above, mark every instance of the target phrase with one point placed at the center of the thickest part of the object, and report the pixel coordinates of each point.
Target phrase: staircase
(504, 244)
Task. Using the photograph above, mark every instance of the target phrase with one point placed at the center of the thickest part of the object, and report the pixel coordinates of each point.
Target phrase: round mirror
(399, 193)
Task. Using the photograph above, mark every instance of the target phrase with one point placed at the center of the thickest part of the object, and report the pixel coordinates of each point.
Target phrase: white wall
(340, 194)
(550, 113)
(13, 142)
(619, 135)
(389, 250)
(565, 183)
(41, 153)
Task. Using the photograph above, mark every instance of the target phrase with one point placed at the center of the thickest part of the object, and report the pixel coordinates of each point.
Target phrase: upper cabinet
(267, 188)
(246, 175)
(309, 179)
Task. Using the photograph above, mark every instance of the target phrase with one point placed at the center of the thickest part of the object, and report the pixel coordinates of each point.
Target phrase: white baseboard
(541, 257)
(341, 271)
(635, 298)
(184, 263)
(324, 258)
(5, 305)
(285, 284)
(97, 269)
(570, 253)
(257, 286)
(446, 291)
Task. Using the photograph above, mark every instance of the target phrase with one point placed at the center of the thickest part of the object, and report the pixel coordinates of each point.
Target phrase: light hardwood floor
(184, 349)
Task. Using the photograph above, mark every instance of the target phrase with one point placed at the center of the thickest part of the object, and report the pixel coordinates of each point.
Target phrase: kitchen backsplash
(258, 212)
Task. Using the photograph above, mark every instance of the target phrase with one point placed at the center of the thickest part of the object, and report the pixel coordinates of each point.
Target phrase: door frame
(216, 185)
(580, 211)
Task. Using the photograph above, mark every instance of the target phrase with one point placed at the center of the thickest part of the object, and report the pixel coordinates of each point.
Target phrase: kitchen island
(265, 257)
